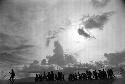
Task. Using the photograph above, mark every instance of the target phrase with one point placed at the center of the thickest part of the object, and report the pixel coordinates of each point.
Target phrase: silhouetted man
(36, 78)
(52, 76)
(44, 76)
(110, 74)
(56, 77)
(12, 73)
(104, 74)
(99, 74)
(95, 74)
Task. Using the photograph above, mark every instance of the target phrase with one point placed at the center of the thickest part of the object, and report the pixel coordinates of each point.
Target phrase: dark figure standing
(36, 78)
(95, 74)
(110, 74)
(12, 73)
(104, 74)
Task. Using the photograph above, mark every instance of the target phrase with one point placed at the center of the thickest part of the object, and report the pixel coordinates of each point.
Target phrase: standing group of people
(50, 76)
(59, 76)
(89, 75)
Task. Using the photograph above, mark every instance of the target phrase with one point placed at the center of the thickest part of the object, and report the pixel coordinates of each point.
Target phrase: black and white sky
(30, 28)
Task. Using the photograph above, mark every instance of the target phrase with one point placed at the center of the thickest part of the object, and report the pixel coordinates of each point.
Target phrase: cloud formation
(96, 21)
(12, 49)
(58, 56)
(93, 22)
(115, 58)
(69, 59)
(11, 58)
(52, 35)
(99, 3)
(35, 67)
(85, 33)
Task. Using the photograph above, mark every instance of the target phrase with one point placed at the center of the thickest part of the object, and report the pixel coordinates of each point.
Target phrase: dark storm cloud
(97, 21)
(100, 3)
(85, 33)
(115, 58)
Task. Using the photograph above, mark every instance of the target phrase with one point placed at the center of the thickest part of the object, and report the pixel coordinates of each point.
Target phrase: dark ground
(73, 82)
(31, 81)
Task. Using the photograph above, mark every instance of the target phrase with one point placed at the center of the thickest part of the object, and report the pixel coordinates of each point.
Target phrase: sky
(30, 28)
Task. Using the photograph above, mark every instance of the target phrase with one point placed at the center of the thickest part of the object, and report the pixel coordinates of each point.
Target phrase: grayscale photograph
(62, 41)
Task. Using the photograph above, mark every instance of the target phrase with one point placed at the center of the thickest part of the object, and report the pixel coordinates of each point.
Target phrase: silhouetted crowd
(50, 76)
(91, 75)
(88, 75)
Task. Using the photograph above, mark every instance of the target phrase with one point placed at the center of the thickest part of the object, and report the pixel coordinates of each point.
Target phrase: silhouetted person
(63, 77)
(71, 77)
(45, 76)
(12, 73)
(95, 74)
(56, 77)
(60, 76)
(110, 74)
(99, 74)
(49, 76)
(36, 78)
(40, 77)
(52, 76)
(104, 74)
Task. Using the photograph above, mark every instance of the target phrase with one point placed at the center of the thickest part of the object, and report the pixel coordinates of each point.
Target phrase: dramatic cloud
(93, 22)
(115, 58)
(85, 33)
(58, 56)
(96, 21)
(99, 3)
(28, 21)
